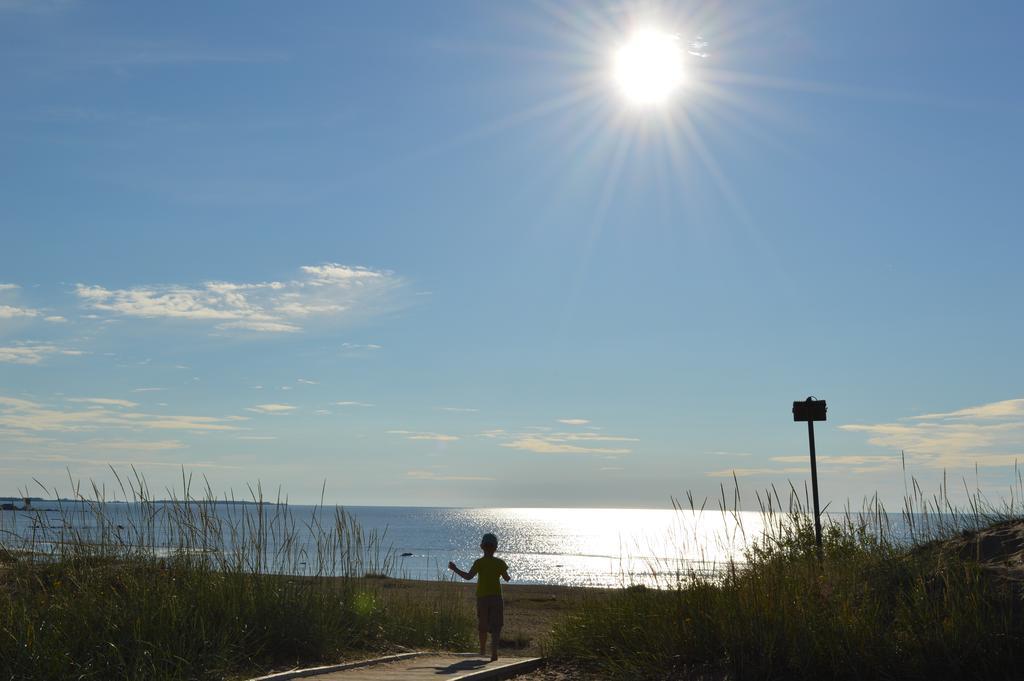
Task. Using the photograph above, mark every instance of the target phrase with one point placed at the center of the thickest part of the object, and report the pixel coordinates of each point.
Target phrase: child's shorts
(490, 613)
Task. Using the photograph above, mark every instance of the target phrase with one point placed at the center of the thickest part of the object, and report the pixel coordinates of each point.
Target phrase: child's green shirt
(488, 570)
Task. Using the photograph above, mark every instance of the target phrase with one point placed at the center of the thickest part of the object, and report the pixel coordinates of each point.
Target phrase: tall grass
(199, 588)
(886, 598)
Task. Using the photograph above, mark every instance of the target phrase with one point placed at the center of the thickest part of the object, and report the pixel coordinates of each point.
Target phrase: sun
(648, 68)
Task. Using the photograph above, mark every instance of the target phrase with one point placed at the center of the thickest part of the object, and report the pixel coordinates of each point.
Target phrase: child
(490, 609)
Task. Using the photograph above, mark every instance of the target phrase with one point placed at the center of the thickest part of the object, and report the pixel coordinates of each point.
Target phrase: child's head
(489, 544)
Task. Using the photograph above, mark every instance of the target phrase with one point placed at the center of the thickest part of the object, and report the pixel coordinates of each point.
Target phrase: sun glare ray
(729, 77)
(619, 151)
(729, 193)
(732, 196)
(729, 116)
(484, 131)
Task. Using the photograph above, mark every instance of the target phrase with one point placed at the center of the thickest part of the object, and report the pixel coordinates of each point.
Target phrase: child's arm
(465, 575)
(504, 575)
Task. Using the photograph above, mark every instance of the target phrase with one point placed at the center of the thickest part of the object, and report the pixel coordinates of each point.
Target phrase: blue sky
(426, 253)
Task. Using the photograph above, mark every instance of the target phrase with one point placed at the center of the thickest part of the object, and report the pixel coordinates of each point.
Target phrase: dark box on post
(809, 410)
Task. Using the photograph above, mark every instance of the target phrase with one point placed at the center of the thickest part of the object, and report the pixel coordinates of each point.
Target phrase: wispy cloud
(357, 347)
(31, 352)
(840, 460)
(574, 422)
(135, 445)
(324, 293)
(562, 443)
(331, 274)
(989, 434)
(466, 410)
(26, 354)
(20, 311)
(306, 381)
(352, 403)
(418, 435)
(1004, 409)
(838, 465)
(261, 326)
(105, 401)
(272, 408)
(10, 312)
(844, 464)
(22, 415)
(749, 472)
(430, 475)
(81, 457)
(546, 445)
(148, 390)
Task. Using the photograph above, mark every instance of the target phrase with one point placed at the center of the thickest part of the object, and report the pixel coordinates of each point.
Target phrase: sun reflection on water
(612, 547)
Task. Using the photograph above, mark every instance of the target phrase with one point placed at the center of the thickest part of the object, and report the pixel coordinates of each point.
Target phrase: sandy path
(530, 610)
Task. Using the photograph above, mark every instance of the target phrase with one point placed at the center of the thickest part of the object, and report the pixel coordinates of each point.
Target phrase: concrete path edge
(505, 672)
(313, 671)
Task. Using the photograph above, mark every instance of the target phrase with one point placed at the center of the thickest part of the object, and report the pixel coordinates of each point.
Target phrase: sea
(592, 547)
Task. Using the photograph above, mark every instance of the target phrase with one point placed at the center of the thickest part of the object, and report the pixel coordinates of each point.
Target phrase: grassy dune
(945, 605)
(105, 604)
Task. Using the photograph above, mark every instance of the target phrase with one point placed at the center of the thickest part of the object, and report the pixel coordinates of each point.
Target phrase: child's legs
(495, 637)
(490, 618)
(482, 622)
